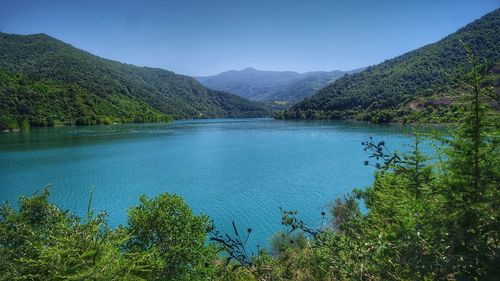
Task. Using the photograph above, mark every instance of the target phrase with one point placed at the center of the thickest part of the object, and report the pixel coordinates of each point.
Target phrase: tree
(471, 182)
(166, 228)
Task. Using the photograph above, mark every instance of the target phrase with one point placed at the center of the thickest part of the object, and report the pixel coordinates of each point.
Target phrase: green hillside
(45, 82)
(419, 85)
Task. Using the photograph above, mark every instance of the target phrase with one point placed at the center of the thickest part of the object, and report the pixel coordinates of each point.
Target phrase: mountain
(44, 82)
(419, 85)
(285, 86)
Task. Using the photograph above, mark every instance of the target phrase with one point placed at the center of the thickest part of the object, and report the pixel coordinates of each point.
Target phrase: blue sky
(210, 36)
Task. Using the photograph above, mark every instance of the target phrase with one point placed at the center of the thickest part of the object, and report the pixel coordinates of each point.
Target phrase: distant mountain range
(45, 82)
(420, 85)
(281, 86)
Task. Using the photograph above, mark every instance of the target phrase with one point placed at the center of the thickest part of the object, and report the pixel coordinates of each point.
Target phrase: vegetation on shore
(428, 217)
(419, 86)
(45, 82)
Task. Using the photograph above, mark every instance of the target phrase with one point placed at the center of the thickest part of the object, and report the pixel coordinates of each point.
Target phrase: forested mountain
(44, 82)
(285, 86)
(425, 217)
(419, 85)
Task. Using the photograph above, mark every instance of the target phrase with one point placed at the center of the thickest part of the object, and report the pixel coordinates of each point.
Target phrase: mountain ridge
(268, 85)
(49, 82)
(389, 91)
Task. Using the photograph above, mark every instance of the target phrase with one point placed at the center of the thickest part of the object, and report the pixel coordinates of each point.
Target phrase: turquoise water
(230, 169)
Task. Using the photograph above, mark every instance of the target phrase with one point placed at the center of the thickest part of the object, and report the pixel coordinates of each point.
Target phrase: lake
(238, 170)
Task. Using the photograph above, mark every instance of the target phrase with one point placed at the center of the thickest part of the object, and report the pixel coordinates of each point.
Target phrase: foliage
(25, 102)
(166, 228)
(419, 86)
(428, 217)
(163, 241)
(52, 83)
(283, 241)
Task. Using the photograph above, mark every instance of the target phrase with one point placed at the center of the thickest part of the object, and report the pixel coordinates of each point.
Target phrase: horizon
(264, 36)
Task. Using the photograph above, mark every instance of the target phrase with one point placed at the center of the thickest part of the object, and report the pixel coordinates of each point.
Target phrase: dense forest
(286, 87)
(428, 217)
(421, 85)
(45, 82)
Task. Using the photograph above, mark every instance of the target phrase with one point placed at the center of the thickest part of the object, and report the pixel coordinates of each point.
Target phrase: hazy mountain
(419, 85)
(44, 81)
(261, 85)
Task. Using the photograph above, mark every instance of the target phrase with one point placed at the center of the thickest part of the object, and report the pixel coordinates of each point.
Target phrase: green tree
(471, 183)
(166, 228)
(164, 241)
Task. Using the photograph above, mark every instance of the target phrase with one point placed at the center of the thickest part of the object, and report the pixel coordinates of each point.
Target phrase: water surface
(230, 169)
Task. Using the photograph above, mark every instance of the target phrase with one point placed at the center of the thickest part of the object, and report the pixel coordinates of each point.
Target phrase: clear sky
(210, 36)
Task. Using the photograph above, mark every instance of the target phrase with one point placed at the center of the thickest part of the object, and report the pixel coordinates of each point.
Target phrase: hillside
(419, 85)
(284, 86)
(45, 82)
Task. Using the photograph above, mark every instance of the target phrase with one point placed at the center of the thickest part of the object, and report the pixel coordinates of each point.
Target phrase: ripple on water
(230, 169)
